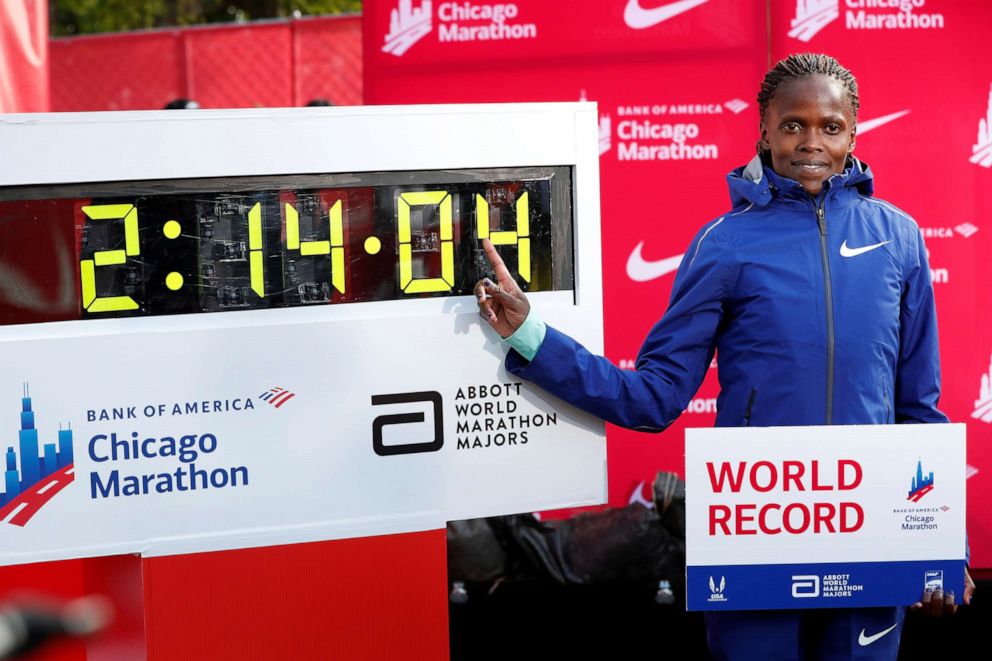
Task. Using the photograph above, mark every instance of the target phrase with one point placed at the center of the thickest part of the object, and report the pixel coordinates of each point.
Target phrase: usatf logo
(277, 396)
(458, 21)
(921, 485)
(814, 15)
(736, 106)
(604, 134)
(982, 150)
(716, 591)
(983, 405)
(407, 26)
(40, 477)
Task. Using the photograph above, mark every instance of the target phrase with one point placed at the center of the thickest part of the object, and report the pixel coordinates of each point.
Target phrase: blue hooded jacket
(821, 311)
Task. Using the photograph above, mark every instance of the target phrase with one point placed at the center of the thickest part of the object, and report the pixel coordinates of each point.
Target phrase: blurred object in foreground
(26, 627)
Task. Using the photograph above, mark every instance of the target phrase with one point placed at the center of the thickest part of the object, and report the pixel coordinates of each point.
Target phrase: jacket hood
(756, 183)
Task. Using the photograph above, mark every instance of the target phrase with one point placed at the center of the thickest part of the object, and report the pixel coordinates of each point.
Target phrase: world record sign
(224, 329)
(824, 517)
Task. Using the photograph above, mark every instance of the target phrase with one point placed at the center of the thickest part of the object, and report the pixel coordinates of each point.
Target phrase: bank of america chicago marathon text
(187, 476)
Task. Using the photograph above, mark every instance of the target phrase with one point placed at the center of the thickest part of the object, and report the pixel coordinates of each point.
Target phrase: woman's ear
(763, 141)
(850, 147)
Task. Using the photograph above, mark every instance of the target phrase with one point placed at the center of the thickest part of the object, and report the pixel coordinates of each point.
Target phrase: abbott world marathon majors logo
(489, 416)
(456, 22)
(666, 131)
(814, 15)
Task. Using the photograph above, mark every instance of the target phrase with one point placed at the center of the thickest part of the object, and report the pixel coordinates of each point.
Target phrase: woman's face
(808, 127)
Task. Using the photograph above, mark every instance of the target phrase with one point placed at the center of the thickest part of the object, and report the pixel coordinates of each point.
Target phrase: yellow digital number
(335, 247)
(520, 238)
(87, 267)
(441, 199)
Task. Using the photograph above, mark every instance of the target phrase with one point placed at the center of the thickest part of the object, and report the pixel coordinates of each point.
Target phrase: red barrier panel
(270, 64)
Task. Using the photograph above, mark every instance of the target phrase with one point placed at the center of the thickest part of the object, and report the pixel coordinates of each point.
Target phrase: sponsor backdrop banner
(676, 84)
(821, 517)
(925, 128)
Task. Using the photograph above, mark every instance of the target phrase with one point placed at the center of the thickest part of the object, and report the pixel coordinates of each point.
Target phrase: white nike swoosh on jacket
(640, 270)
(854, 252)
(638, 18)
(864, 640)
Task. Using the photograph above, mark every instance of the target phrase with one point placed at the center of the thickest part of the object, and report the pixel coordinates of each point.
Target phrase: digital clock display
(91, 251)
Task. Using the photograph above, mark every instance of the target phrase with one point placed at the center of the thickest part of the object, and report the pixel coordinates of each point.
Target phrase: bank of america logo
(920, 485)
(736, 106)
(812, 16)
(40, 478)
(277, 396)
(965, 229)
(982, 151)
(407, 26)
(983, 405)
(604, 134)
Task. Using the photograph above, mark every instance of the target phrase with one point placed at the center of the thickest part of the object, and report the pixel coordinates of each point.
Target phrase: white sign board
(170, 433)
(818, 517)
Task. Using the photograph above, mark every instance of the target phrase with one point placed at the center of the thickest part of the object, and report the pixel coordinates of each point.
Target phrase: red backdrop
(266, 64)
(695, 67)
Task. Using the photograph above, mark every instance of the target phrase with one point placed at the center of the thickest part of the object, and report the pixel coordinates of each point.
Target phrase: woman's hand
(941, 604)
(501, 303)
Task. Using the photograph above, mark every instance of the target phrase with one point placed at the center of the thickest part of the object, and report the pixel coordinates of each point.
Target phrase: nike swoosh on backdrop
(864, 640)
(854, 252)
(864, 127)
(640, 270)
(638, 18)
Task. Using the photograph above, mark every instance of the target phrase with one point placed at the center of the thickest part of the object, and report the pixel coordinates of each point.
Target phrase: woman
(817, 297)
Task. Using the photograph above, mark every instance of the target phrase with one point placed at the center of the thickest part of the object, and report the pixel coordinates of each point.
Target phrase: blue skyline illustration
(919, 482)
(33, 467)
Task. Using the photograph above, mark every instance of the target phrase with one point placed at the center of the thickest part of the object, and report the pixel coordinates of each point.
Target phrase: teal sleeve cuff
(528, 338)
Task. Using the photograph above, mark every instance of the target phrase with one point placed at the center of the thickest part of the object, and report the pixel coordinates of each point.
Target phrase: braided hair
(804, 65)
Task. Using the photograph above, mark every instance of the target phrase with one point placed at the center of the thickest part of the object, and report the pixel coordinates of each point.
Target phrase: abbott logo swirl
(400, 445)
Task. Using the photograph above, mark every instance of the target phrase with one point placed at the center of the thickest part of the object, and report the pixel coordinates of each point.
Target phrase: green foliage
(68, 17)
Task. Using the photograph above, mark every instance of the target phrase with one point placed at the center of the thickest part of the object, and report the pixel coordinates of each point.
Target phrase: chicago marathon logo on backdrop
(604, 134)
(407, 26)
(669, 131)
(983, 405)
(920, 484)
(814, 15)
(982, 150)
(41, 475)
(457, 21)
(638, 14)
